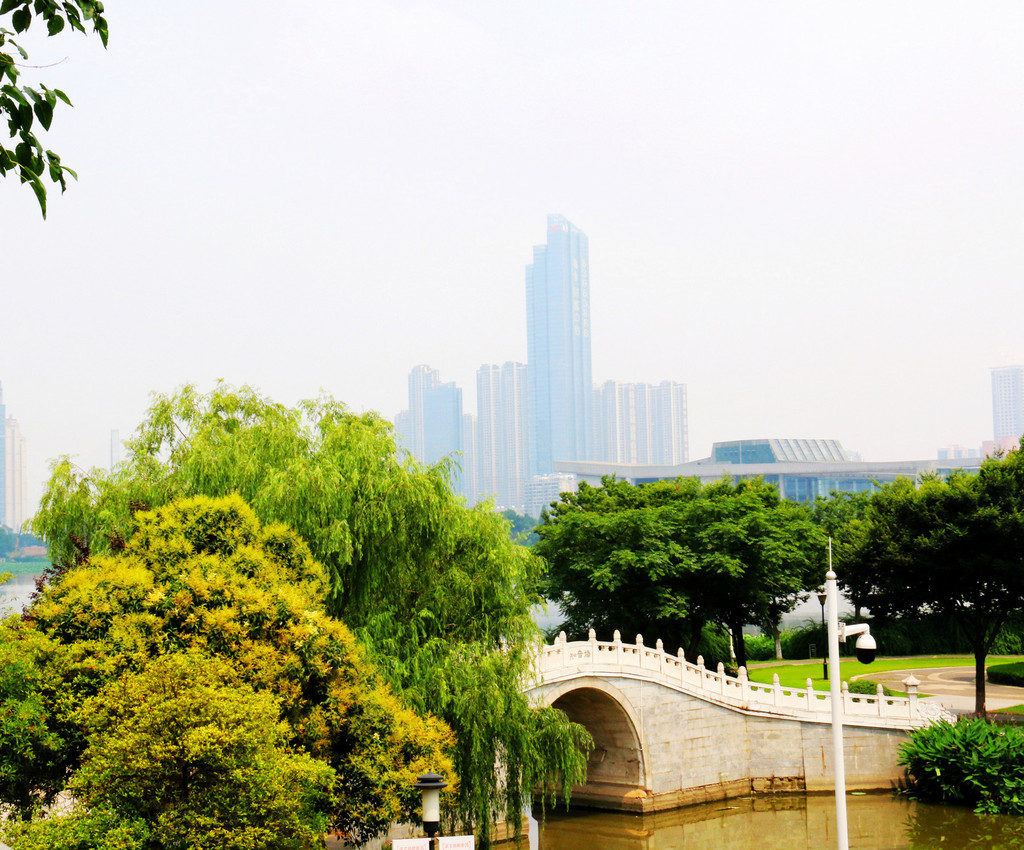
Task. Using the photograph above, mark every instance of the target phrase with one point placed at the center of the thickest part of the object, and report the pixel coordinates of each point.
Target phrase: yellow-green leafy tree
(204, 576)
(435, 590)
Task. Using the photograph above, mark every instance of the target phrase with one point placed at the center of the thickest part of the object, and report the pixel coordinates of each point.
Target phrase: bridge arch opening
(615, 771)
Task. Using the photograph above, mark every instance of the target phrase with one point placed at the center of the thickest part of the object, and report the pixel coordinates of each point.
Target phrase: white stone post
(910, 686)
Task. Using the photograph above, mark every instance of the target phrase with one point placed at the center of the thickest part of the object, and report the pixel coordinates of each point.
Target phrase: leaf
(15, 92)
(62, 96)
(40, 192)
(21, 19)
(55, 24)
(7, 5)
(44, 112)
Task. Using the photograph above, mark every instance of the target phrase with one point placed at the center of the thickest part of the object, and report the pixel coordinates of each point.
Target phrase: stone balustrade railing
(566, 660)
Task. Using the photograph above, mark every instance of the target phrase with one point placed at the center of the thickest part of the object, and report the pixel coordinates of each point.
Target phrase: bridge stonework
(669, 733)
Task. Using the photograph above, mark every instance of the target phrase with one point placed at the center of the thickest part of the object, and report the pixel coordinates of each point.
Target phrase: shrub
(866, 686)
(759, 647)
(971, 762)
(1006, 674)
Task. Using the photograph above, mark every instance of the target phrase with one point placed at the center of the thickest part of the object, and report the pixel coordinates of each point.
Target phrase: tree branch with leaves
(26, 107)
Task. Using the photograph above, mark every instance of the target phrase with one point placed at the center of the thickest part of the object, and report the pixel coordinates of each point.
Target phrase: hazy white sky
(810, 213)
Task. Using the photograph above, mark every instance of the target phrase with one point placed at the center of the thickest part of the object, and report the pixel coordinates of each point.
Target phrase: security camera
(866, 649)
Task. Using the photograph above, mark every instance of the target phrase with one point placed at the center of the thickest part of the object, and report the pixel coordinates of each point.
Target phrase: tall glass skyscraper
(558, 347)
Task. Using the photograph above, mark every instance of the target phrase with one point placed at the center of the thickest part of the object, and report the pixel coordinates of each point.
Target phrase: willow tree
(437, 591)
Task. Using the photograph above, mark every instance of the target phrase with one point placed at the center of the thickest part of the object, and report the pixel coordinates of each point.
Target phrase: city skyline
(809, 214)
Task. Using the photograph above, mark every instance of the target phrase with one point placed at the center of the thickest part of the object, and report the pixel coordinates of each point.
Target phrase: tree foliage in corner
(438, 592)
(667, 558)
(24, 106)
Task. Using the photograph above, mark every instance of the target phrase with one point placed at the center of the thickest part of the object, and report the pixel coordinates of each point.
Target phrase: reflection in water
(877, 822)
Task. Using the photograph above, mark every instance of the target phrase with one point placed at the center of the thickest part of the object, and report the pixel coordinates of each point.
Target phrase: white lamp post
(431, 784)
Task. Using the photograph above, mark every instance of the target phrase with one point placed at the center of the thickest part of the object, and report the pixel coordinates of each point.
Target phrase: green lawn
(796, 675)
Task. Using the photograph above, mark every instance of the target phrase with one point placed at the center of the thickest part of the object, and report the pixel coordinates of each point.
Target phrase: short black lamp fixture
(823, 598)
(431, 784)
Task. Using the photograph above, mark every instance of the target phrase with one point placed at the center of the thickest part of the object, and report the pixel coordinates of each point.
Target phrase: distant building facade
(991, 448)
(15, 476)
(542, 490)
(3, 460)
(1007, 402)
(431, 429)
(558, 347)
(801, 469)
(640, 423)
(956, 452)
(503, 445)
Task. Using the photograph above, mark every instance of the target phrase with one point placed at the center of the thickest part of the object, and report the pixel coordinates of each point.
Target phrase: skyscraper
(670, 428)
(558, 347)
(15, 476)
(640, 423)
(431, 429)
(3, 460)
(1008, 401)
(502, 441)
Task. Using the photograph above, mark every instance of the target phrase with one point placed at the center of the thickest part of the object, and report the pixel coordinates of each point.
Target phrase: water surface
(795, 822)
(14, 595)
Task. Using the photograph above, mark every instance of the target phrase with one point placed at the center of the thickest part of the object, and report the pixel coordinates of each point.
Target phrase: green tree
(522, 527)
(203, 575)
(439, 593)
(951, 546)
(24, 106)
(670, 557)
(842, 516)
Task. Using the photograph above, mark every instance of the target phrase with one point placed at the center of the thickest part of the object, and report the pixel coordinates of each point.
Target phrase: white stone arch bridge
(669, 733)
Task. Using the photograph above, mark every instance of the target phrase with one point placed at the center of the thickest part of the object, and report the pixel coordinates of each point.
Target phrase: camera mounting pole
(838, 763)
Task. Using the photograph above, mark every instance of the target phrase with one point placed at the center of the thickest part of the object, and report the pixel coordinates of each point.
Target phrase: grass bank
(796, 674)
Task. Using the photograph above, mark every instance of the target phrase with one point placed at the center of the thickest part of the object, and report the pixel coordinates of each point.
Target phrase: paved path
(952, 687)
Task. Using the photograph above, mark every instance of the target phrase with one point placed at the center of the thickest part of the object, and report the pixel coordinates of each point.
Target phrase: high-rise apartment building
(670, 424)
(502, 434)
(3, 460)
(640, 423)
(558, 347)
(15, 476)
(1007, 401)
(431, 429)
(469, 476)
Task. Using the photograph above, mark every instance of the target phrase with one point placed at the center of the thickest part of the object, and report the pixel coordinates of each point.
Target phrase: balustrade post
(721, 678)
(617, 644)
(812, 702)
(845, 698)
(776, 689)
(744, 686)
(910, 686)
(880, 694)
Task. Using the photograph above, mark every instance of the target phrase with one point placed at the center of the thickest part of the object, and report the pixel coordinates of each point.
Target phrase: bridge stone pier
(668, 733)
